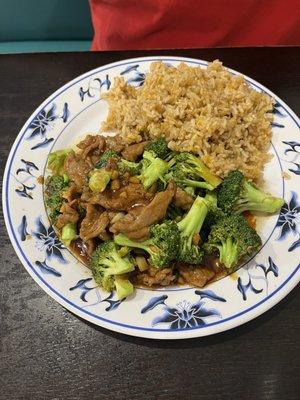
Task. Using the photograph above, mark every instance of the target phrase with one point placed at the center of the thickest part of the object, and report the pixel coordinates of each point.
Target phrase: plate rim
(228, 323)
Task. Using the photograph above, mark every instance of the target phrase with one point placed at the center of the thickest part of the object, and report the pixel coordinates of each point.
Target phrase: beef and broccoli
(143, 215)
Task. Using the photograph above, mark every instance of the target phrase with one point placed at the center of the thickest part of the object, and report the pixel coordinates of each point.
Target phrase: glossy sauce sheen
(79, 248)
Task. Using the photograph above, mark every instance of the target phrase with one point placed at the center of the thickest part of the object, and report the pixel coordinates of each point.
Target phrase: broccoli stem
(194, 219)
(253, 199)
(211, 197)
(123, 240)
(197, 184)
(147, 245)
(205, 173)
(228, 253)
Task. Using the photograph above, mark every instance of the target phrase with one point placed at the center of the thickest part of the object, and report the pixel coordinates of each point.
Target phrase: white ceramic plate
(176, 313)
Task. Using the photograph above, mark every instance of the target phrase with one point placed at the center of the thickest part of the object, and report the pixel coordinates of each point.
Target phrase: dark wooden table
(48, 353)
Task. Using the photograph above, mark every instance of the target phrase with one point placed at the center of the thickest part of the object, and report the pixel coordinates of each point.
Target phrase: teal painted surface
(44, 20)
(44, 46)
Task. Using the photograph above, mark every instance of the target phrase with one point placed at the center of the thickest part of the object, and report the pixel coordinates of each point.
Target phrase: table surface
(48, 353)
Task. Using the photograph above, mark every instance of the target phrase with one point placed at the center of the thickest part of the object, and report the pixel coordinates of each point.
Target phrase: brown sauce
(251, 219)
(40, 179)
(80, 249)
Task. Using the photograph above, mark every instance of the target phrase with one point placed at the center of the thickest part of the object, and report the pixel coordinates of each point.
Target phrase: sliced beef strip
(92, 144)
(105, 236)
(123, 199)
(77, 168)
(70, 193)
(140, 234)
(182, 199)
(114, 143)
(196, 275)
(94, 223)
(112, 164)
(115, 214)
(132, 152)
(147, 215)
(69, 214)
(155, 277)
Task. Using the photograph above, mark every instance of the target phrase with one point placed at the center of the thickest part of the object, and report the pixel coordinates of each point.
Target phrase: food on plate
(207, 111)
(154, 221)
(167, 199)
(109, 267)
(233, 239)
(236, 194)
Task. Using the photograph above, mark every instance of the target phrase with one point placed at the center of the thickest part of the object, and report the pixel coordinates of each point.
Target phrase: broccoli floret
(190, 190)
(233, 239)
(189, 171)
(56, 183)
(214, 214)
(180, 175)
(99, 179)
(162, 245)
(236, 194)
(105, 157)
(124, 287)
(194, 167)
(106, 263)
(56, 161)
(189, 226)
(69, 233)
(129, 166)
(153, 169)
(159, 148)
(54, 187)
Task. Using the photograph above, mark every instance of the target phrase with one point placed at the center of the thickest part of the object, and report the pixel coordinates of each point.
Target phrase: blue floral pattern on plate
(184, 315)
(94, 86)
(82, 286)
(25, 190)
(133, 75)
(47, 269)
(25, 177)
(22, 229)
(261, 279)
(292, 150)
(48, 242)
(43, 122)
(289, 220)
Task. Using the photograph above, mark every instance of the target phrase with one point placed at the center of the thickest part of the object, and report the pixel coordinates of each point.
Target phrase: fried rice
(207, 111)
